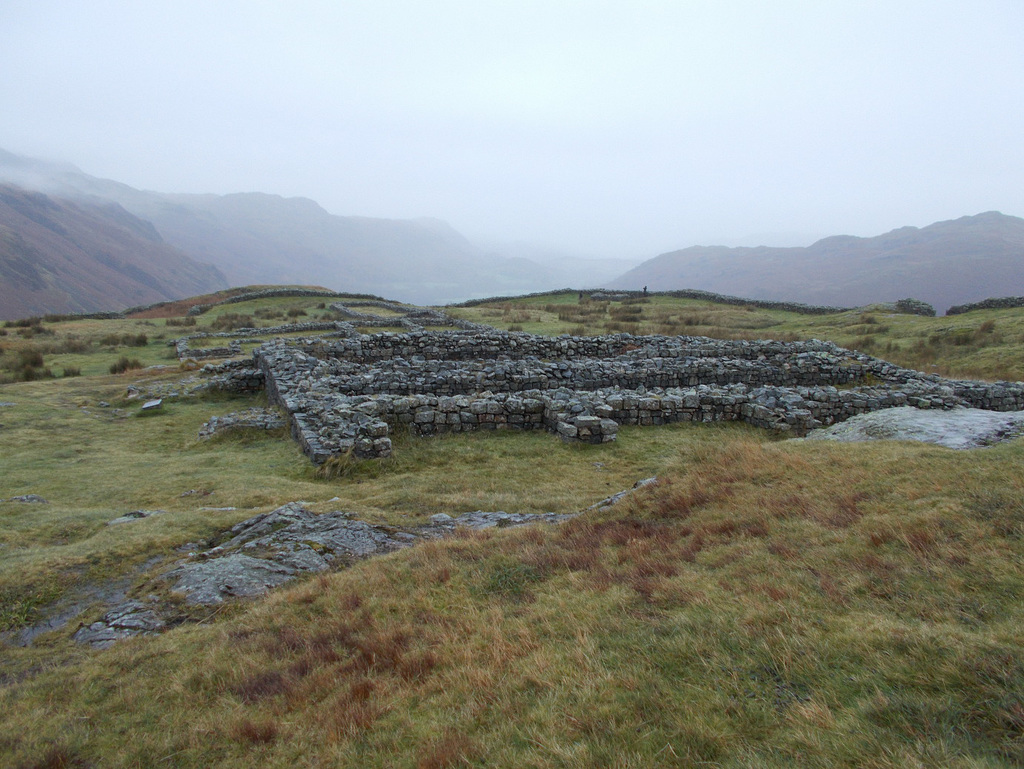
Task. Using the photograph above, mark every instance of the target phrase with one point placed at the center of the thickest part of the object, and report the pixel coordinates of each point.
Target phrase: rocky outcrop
(959, 428)
(273, 548)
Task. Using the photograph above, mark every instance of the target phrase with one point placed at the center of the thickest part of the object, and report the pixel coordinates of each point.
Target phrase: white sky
(606, 128)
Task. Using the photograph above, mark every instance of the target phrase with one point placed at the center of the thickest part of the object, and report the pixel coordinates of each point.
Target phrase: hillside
(946, 263)
(766, 602)
(57, 257)
(262, 238)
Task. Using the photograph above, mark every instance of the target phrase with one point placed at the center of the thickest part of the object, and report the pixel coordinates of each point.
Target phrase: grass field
(767, 603)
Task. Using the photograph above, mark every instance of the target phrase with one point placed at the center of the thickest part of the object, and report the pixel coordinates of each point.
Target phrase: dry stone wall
(347, 395)
(1003, 303)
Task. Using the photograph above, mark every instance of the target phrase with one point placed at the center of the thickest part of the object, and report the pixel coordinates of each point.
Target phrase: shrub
(231, 321)
(73, 344)
(296, 312)
(30, 357)
(186, 321)
(124, 340)
(71, 371)
(124, 363)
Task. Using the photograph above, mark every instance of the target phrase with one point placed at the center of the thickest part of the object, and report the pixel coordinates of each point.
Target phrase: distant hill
(261, 238)
(57, 256)
(946, 263)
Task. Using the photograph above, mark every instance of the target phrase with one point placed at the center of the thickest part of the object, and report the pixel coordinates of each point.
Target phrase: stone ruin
(344, 393)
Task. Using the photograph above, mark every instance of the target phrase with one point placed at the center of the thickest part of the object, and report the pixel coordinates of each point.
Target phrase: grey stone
(152, 405)
(275, 547)
(960, 428)
(614, 499)
(135, 515)
(129, 619)
(30, 499)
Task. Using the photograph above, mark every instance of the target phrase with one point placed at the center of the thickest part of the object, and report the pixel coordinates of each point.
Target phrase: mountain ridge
(945, 263)
(257, 237)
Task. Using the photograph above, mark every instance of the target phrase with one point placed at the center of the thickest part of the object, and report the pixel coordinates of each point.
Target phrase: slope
(261, 238)
(58, 256)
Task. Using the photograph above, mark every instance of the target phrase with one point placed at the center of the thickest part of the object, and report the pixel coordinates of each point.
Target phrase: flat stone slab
(272, 548)
(961, 428)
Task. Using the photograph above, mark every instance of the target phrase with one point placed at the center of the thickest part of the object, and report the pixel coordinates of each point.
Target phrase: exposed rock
(128, 619)
(614, 499)
(29, 498)
(153, 404)
(960, 428)
(273, 548)
(486, 520)
(135, 515)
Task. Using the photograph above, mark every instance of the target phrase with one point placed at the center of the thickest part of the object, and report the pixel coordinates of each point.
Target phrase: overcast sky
(605, 128)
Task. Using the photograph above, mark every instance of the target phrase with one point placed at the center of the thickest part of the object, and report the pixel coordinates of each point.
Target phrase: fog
(597, 128)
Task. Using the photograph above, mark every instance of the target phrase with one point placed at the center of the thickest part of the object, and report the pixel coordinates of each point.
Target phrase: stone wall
(689, 293)
(267, 293)
(1006, 302)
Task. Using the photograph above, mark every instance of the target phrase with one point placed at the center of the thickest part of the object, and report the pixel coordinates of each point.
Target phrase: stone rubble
(250, 419)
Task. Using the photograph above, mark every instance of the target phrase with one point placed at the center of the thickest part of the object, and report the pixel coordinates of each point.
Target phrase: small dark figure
(581, 296)
(645, 290)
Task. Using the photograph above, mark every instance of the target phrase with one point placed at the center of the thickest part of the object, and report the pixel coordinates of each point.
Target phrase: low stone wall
(184, 350)
(268, 293)
(688, 293)
(1004, 303)
(250, 419)
(234, 376)
(494, 344)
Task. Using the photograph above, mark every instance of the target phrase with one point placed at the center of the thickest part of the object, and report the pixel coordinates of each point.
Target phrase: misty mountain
(262, 238)
(946, 263)
(59, 256)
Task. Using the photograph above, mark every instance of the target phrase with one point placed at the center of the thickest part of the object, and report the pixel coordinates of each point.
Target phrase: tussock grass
(733, 614)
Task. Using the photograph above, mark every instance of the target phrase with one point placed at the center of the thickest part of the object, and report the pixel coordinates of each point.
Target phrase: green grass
(767, 604)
